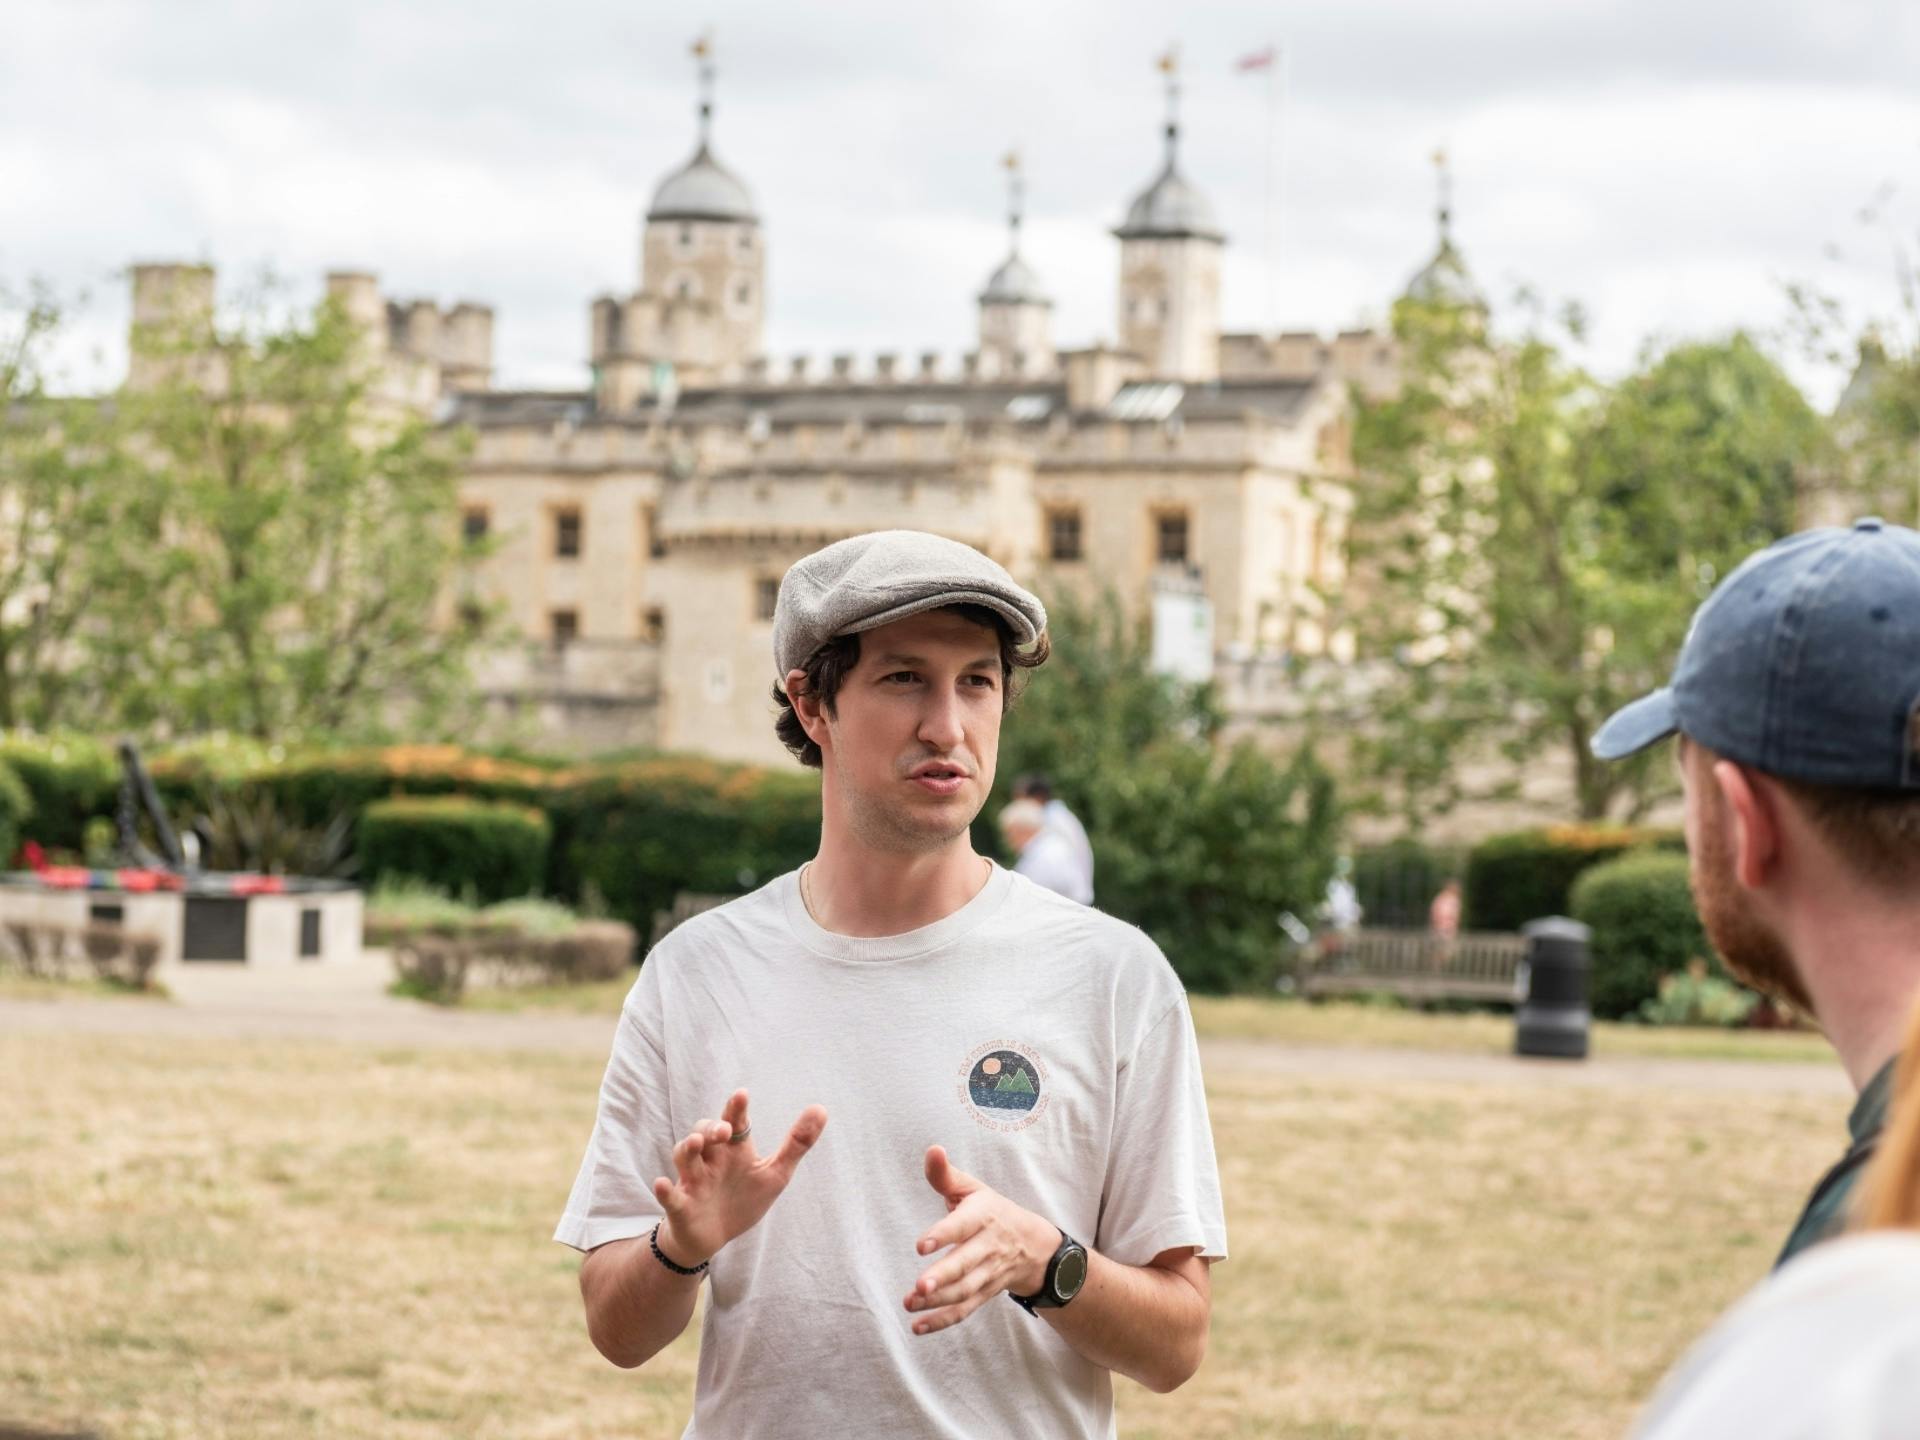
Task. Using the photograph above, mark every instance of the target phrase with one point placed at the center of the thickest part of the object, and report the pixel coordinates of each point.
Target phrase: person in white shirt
(1046, 855)
(1039, 788)
(1017, 1195)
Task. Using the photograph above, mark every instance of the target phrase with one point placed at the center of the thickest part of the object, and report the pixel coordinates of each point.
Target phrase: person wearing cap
(1017, 1194)
(1796, 700)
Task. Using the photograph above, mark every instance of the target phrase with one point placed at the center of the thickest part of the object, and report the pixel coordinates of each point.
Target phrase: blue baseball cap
(1804, 663)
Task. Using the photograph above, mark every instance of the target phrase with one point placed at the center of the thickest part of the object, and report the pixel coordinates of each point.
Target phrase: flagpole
(1266, 237)
(1277, 89)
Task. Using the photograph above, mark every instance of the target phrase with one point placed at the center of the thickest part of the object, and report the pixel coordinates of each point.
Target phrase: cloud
(1668, 165)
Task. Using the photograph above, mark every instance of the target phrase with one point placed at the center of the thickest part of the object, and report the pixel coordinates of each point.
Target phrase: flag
(1170, 61)
(1258, 60)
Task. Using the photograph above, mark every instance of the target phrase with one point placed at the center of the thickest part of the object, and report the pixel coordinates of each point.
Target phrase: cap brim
(1632, 728)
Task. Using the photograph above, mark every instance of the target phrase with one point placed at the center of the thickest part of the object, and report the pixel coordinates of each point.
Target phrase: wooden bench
(1416, 965)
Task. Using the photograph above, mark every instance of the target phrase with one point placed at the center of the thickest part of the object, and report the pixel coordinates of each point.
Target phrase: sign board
(1182, 633)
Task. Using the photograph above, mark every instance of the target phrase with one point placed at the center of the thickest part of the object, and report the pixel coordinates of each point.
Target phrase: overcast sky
(1669, 163)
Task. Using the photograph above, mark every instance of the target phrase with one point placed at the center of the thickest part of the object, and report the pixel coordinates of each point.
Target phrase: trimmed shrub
(71, 779)
(1528, 874)
(640, 833)
(1396, 882)
(493, 851)
(1644, 928)
(1693, 997)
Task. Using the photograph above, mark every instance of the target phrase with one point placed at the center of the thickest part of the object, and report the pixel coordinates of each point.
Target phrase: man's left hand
(997, 1245)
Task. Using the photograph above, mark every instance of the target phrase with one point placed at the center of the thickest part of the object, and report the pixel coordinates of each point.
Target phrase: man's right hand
(724, 1188)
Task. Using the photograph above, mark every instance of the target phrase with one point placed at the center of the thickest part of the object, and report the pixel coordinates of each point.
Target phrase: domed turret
(1170, 267)
(1445, 279)
(1014, 310)
(703, 258)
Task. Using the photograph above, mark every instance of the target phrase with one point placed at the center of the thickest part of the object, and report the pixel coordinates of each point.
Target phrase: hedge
(492, 851)
(637, 834)
(70, 779)
(1527, 874)
(1644, 928)
(1396, 882)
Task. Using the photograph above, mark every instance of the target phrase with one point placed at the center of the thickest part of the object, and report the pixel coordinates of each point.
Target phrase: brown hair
(1877, 832)
(828, 666)
(1889, 1196)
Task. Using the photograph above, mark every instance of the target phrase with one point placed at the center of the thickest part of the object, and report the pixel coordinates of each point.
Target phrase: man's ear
(1749, 808)
(812, 715)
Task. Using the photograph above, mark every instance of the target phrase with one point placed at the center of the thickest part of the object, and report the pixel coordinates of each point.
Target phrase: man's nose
(940, 726)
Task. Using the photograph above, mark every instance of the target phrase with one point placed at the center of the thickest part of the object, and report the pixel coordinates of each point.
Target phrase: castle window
(1170, 537)
(1063, 535)
(686, 237)
(567, 533)
(743, 240)
(563, 627)
(473, 524)
(653, 624)
(744, 294)
(684, 289)
(650, 540)
(766, 596)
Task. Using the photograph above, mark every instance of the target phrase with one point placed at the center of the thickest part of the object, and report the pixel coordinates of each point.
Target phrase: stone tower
(1015, 313)
(1170, 268)
(1445, 280)
(702, 249)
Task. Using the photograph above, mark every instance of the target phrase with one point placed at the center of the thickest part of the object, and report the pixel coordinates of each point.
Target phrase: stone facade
(638, 528)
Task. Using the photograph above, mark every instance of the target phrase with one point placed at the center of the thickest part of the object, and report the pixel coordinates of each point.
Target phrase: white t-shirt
(1049, 860)
(1827, 1349)
(1046, 1045)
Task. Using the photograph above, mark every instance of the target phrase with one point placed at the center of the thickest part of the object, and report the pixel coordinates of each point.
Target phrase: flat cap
(866, 581)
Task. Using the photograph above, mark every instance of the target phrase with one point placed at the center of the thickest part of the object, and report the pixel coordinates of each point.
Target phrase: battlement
(887, 368)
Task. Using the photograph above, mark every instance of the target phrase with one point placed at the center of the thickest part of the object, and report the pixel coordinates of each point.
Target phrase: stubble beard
(896, 829)
(1754, 954)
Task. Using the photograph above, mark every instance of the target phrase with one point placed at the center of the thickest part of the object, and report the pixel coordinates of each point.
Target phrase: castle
(639, 527)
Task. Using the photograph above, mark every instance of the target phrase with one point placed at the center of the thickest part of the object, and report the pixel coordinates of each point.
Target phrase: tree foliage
(1530, 544)
(310, 543)
(1201, 844)
(73, 527)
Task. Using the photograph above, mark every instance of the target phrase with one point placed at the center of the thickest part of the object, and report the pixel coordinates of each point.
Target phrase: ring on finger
(739, 1135)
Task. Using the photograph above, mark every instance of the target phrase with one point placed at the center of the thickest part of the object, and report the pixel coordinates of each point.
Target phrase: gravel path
(349, 1005)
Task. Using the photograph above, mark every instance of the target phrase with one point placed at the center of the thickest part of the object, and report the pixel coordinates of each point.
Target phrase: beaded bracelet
(653, 1239)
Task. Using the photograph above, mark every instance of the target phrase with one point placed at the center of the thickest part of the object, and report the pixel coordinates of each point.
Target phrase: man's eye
(901, 675)
(982, 682)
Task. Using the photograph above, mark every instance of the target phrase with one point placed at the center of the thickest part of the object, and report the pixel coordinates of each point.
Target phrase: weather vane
(703, 53)
(1016, 192)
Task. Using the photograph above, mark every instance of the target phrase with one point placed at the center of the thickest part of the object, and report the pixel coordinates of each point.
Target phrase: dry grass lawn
(271, 1240)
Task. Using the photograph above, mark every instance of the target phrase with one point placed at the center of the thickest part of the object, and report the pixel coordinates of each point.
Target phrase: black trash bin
(1554, 1016)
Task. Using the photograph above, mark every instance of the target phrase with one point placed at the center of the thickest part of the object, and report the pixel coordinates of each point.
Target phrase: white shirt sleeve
(1163, 1183)
(633, 1138)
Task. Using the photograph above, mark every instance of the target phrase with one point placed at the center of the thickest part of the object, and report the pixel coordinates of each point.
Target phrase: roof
(1014, 283)
(702, 189)
(1170, 208)
(911, 402)
(1445, 279)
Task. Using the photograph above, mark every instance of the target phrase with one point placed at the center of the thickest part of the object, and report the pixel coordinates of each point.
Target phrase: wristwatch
(1066, 1273)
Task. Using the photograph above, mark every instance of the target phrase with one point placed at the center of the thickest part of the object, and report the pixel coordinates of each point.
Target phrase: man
(1797, 702)
(1013, 1080)
(1039, 789)
(1046, 855)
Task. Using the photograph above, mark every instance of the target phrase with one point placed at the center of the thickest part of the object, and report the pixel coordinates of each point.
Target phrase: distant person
(1342, 908)
(1829, 1347)
(1796, 699)
(1039, 788)
(1443, 915)
(1046, 855)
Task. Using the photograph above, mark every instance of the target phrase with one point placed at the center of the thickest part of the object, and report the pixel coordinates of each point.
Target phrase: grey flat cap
(867, 581)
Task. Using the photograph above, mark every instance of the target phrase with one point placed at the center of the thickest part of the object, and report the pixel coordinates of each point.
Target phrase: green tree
(311, 551)
(73, 526)
(1200, 843)
(1530, 544)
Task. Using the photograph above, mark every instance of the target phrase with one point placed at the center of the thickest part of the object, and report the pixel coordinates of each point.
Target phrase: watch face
(1070, 1274)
